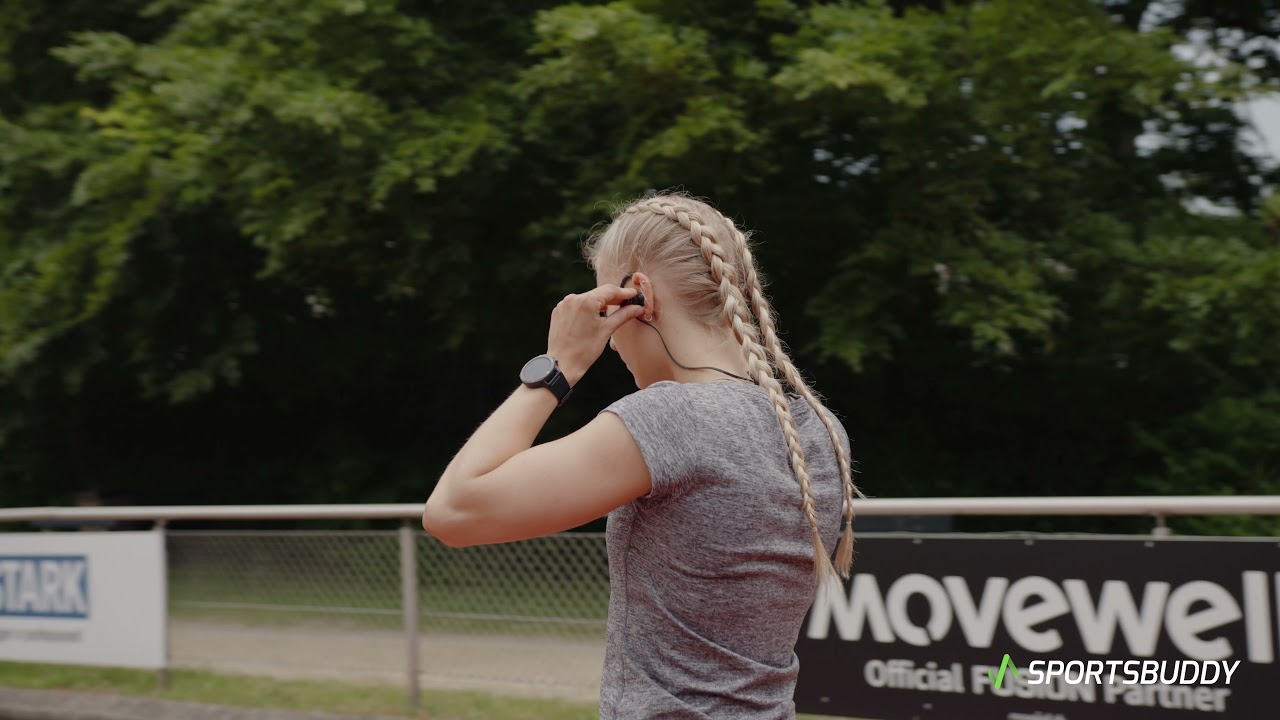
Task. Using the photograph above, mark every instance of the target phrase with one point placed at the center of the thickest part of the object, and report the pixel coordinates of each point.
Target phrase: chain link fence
(528, 617)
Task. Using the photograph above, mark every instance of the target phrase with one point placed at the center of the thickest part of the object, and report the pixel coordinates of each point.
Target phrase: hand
(578, 334)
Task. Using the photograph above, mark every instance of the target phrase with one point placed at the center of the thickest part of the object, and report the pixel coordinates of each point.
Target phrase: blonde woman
(723, 490)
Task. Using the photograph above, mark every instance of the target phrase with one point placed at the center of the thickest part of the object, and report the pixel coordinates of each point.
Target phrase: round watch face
(537, 369)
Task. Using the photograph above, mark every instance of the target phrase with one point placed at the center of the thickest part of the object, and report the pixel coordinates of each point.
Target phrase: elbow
(444, 525)
(428, 522)
(435, 525)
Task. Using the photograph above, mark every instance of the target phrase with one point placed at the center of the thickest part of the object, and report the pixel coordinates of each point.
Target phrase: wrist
(570, 370)
(572, 376)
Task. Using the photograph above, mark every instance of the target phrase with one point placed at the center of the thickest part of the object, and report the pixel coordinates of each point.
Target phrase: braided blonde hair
(686, 238)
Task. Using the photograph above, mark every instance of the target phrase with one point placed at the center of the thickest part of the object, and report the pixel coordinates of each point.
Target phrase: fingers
(602, 296)
(610, 294)
(607, 296)
(621, 317)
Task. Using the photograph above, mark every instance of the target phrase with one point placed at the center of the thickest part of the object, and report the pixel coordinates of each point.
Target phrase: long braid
(744, 328)
(765, 318)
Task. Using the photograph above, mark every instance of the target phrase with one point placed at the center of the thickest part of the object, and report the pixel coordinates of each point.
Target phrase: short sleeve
(663, 425)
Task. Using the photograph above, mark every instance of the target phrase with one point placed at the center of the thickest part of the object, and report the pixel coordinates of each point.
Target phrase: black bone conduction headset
(542, 370)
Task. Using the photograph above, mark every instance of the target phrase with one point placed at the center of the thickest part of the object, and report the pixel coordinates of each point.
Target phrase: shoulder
(663, 429)
(664, 386)
(660, 399)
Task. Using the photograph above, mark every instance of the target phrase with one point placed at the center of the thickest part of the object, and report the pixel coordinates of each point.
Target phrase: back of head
(708, 264)
(655, 234)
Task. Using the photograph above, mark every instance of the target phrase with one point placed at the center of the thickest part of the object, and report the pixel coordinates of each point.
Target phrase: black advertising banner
(1082, 627)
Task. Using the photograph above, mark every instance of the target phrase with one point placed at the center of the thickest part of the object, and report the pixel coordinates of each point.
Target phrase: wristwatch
(542, 371)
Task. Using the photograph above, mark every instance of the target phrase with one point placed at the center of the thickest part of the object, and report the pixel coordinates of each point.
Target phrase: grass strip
(303, 695)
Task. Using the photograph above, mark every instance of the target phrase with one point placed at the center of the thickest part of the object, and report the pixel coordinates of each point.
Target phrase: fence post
(162, 675)
(409, 605)
(1161, 529)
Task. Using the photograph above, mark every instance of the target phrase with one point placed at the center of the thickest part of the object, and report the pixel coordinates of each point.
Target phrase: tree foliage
(296, 251)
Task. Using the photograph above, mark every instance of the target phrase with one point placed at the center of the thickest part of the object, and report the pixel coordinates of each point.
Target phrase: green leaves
(97, 55)
(1217, 295)
(839, 48)
(611, 66)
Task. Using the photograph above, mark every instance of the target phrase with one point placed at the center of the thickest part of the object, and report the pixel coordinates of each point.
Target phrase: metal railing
(1155, 506)
(346, 602)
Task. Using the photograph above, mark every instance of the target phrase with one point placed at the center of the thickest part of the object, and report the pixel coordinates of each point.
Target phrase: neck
(692, 348)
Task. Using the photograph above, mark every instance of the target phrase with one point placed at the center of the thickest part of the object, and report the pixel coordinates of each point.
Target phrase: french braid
(736, 311)
(765, 319)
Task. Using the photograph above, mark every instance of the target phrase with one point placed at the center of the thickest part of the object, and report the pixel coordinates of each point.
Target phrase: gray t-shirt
(711, 573)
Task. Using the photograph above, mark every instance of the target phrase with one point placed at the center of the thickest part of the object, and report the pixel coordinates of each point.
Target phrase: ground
(561, 668)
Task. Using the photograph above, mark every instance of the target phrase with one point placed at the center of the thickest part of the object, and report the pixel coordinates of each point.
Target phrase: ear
(650, 300)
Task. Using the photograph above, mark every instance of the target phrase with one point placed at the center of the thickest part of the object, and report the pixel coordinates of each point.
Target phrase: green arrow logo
(1006, 662)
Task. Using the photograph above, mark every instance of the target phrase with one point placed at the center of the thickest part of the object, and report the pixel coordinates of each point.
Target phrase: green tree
(297, 252)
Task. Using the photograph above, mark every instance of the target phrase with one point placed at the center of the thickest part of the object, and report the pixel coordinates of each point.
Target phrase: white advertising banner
(83, 598)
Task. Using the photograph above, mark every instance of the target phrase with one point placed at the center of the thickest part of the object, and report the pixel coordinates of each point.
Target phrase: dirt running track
(529, 667)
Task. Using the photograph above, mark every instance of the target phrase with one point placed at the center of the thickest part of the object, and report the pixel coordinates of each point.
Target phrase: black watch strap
(559, 384)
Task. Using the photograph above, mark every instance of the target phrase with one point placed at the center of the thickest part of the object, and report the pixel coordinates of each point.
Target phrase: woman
(723, 491)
